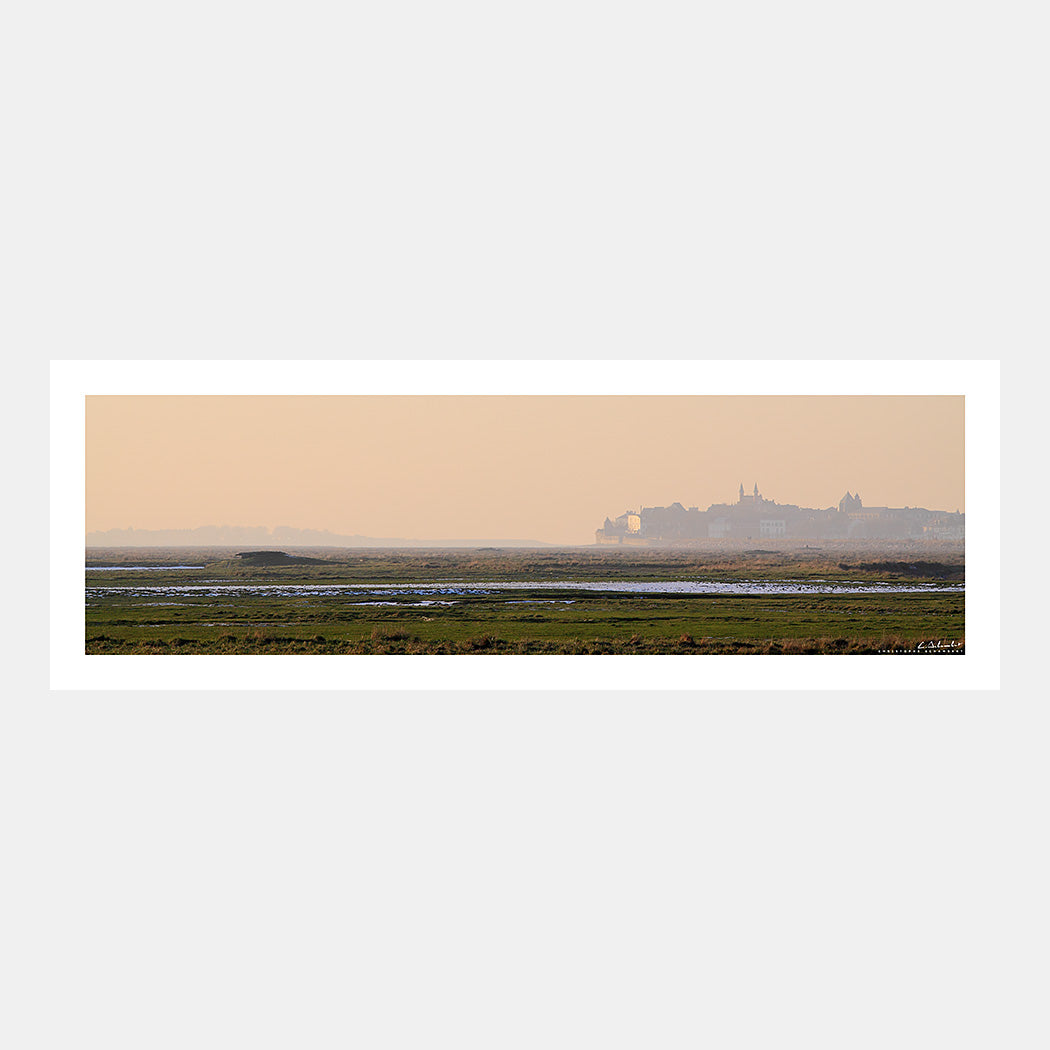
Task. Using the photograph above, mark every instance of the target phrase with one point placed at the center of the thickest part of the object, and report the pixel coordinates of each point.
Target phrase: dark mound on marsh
(275, 558)
(265, 559)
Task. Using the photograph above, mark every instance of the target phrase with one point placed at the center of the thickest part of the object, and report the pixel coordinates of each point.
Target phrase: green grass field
(539, 618)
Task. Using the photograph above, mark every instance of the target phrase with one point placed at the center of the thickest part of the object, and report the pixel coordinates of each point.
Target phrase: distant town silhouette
(750, 517)
(753, 516)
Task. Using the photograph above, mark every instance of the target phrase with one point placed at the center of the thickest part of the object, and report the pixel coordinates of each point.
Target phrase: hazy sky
(543, 468)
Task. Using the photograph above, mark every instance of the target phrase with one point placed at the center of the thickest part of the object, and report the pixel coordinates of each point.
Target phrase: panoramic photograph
(528, 525)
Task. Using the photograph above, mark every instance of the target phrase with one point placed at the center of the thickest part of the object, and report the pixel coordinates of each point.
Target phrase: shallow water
(136, 568)
(380, 590)
(404, 604)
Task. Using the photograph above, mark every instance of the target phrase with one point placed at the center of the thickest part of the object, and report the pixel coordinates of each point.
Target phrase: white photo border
(73, 380)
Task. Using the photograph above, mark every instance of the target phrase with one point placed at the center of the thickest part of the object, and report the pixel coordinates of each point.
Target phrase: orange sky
(541, 468)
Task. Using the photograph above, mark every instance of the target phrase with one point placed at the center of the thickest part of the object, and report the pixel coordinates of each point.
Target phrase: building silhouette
(753, 517)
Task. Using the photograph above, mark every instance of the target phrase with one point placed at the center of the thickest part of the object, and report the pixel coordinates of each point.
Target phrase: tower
(850, 503)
